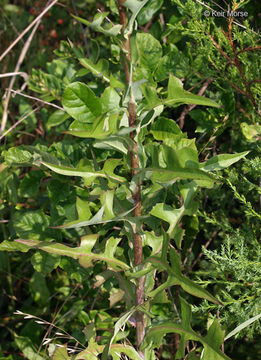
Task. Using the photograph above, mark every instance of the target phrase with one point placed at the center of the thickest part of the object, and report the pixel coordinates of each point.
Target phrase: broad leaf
(178, 96)
(165, 128)
(44, 263)
(81, 103)
(148, 11)
(150, 50)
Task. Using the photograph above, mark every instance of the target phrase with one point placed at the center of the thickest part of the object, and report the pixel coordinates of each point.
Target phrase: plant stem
(136, 194)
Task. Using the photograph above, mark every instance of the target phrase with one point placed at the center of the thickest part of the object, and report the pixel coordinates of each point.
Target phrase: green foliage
(119, 162)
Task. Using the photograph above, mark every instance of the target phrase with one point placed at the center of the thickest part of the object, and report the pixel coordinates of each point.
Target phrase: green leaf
(148, 11)
(151, 96)
(44, 263)
(110, 101)
(27, 348)
(33, 224)
(222, 161)
(81, 103)
(168, 214)
(97, 130)
(39, 289)
(242, 326)
(12, 246)
(69, 171)
(100, 70)
(168, 164)
(113, 30)
(185, 321)
(150, 50)
(215, 338)
(57, 118)
(112, 143)
(251, 132)
(211, 342)
(117, 327)
(161, 175)
(158, 331)
(60, 354)
(83, 253)
(175, 277)
(178, 96)
(165, 128)
(17, 155)
(93, 350)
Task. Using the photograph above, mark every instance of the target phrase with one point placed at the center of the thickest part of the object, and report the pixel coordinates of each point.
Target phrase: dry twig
(19, 122)
(12, 81)
(37, 99)
(188, 108)
(48, 7)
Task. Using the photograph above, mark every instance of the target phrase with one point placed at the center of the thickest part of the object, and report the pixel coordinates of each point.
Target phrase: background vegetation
(69, 304)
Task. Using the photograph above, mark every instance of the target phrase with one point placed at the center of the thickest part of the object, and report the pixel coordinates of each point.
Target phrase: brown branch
(214, 234)
(136, 194)
(188, 108)
(255, 48)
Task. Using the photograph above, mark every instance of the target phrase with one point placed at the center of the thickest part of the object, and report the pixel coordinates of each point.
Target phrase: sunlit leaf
(178, 96)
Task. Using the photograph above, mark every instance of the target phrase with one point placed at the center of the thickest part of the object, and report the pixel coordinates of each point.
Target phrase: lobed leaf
(83, 252)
